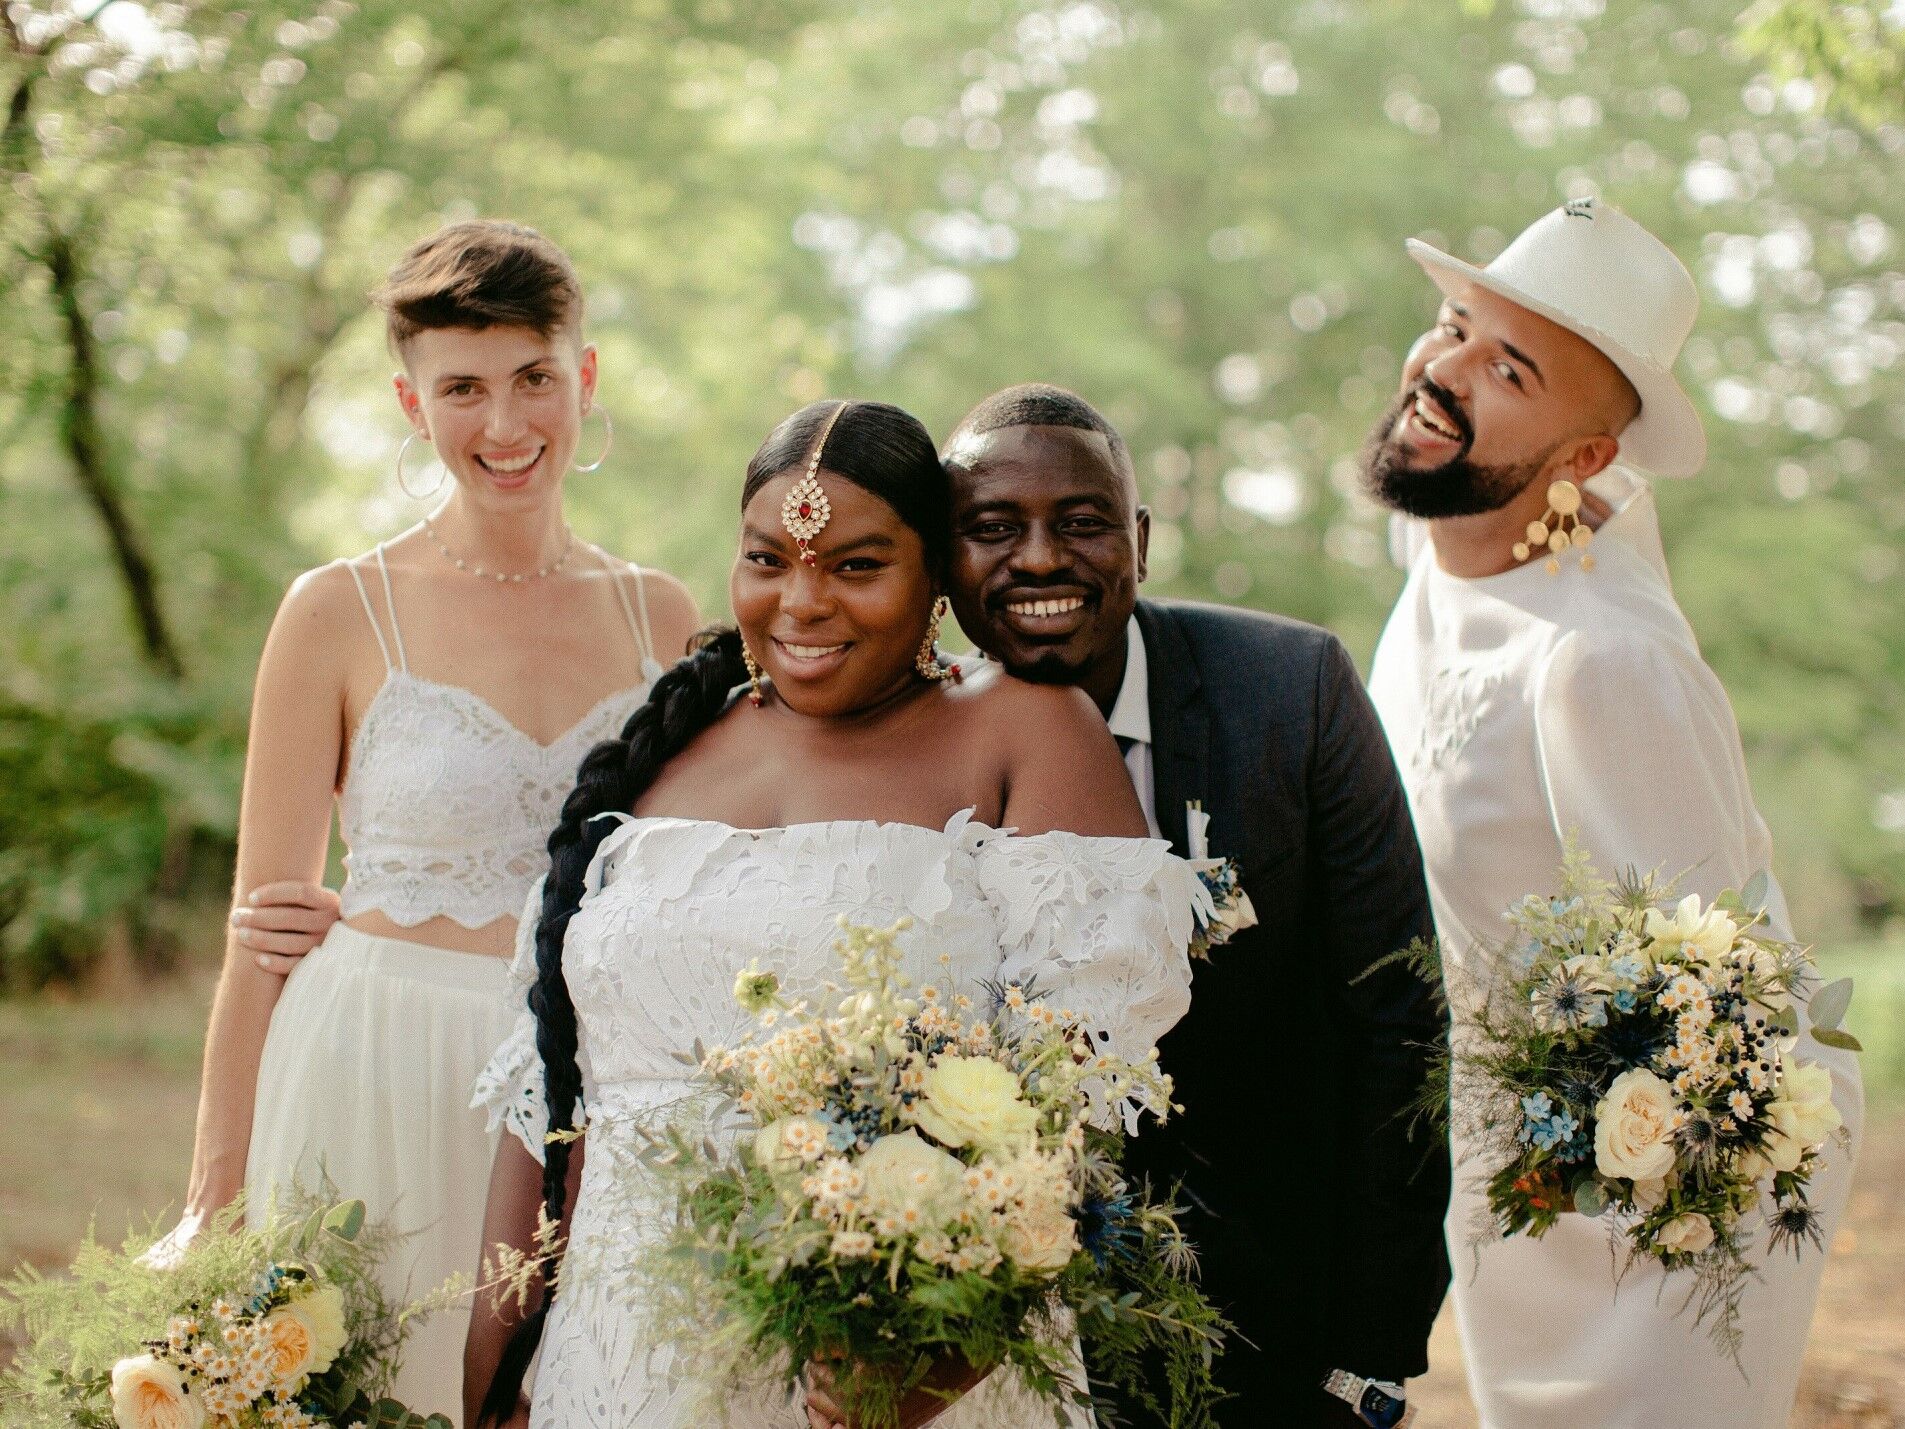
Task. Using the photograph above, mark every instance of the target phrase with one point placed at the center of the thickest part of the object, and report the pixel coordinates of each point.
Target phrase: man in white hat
(1538, 681)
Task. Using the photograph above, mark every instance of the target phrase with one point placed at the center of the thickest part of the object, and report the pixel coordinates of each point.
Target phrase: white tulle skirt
(366, 1080)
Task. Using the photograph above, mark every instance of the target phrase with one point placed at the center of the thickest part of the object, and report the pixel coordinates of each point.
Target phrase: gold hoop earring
(608, 440)
(404, 486)
(1564, 509)
(927, 661)
(753, 675)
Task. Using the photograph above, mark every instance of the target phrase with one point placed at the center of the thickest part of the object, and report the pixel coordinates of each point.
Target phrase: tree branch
(85, 446)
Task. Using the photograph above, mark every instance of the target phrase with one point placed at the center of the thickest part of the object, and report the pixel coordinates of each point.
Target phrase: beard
(1046, 667)
(1458, 487)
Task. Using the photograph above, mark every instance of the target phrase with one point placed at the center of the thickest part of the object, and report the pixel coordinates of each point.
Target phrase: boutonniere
(1230, 912)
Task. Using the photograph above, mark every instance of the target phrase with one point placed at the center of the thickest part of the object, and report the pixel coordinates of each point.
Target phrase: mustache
(1032, 590)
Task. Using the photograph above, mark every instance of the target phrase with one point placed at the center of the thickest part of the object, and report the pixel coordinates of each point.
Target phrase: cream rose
(1704, 936)
(1045, 1239)
(1802, 1115)
(902, 1170)
(973, 1101)
(1631, 1131)
(149, 1393)
(305, 1335)
(1649, 1195)
(1688, 1234)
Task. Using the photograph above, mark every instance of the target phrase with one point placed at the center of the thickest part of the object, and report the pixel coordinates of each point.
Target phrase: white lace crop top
(446, 805)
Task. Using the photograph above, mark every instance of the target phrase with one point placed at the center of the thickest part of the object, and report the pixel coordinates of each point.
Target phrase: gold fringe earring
(1564, 510)
(753, 675)
(927, 661)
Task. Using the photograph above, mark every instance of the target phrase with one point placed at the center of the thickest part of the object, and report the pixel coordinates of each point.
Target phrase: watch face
(1381, 1408)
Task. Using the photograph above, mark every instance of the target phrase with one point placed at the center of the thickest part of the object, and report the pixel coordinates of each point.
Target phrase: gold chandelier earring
(753, 675)
(927, 661)
(1564, 510)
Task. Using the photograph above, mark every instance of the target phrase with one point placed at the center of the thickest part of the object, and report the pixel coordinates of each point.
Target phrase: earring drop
(1564, 510)
(927, 661)
(753, 675)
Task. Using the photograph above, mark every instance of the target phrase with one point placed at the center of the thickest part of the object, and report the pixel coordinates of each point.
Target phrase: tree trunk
(85, 445)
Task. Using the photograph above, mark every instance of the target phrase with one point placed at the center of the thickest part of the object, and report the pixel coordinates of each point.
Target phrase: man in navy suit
(1315, 1197)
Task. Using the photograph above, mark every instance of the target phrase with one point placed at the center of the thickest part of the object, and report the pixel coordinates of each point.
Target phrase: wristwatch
(1377, 1402)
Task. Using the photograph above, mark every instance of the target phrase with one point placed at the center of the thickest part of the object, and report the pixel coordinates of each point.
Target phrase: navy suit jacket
(1315, 1197)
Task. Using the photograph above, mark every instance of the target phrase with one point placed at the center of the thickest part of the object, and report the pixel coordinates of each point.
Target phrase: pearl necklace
(568, 545)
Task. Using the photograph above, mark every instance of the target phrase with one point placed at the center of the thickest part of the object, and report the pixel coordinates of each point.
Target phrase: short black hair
(1039, 404)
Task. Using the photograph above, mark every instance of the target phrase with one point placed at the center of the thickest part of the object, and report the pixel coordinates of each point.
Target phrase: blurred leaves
(1191, 212)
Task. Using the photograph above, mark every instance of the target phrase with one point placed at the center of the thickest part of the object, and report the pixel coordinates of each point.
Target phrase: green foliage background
(1191, 211)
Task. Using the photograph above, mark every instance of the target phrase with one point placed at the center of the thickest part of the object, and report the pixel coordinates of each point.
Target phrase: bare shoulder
(1023, 713)
(672, 612)
(324, 602)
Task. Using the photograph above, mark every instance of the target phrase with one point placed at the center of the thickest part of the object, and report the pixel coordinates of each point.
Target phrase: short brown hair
(478, 274)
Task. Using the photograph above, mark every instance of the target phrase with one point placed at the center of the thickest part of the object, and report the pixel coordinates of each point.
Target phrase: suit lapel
(1180, 724)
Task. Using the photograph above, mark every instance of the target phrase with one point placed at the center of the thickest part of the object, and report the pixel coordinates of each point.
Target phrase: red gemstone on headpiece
(805, 509)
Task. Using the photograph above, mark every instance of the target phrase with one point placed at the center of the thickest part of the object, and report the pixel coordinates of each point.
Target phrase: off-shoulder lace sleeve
(510, 1087)
(1103, 925)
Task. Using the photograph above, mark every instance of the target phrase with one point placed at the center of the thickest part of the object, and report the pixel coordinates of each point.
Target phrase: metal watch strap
(1353, 1388)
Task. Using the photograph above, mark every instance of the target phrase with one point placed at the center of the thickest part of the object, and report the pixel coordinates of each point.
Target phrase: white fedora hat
(1600, 275)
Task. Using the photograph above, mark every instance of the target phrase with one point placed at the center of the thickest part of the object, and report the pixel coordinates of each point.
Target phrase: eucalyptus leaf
(1834, 1037)
(1590, 1197)
(1785, 1022)
(1753, 896)
(346, 1220)
(1830, 1003)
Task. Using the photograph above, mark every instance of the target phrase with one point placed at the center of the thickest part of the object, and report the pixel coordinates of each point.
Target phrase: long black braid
(877, 447)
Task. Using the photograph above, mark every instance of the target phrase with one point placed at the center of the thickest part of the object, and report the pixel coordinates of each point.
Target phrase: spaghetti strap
(376, 627)
(641, 599)
(640, 632)
(390, 604)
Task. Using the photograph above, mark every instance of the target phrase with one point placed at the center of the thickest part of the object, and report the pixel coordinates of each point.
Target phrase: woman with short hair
(440, 689)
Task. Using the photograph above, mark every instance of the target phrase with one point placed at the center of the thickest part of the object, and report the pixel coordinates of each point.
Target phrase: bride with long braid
(819, 760)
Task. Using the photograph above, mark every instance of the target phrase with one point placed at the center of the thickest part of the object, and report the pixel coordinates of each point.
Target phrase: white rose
(305, 1335)
(973, 1101)
(1705, 936)
(1802, 1115)
(1752, 1166)
(1688, 1235)
(1236, 916)
(149, 1393)
(1045, 1239)
(902, 1170)
(1648, 1195)
(1631, 1130)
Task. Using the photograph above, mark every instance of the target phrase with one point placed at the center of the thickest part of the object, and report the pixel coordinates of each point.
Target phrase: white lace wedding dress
(674, 908)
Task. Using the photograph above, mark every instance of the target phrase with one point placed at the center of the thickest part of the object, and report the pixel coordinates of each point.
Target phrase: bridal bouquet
(283, 1326)
(916, 1183)
(1637, 1058)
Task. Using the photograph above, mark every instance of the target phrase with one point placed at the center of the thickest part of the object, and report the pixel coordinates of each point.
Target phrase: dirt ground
(96, 1121)
(1854, 1375)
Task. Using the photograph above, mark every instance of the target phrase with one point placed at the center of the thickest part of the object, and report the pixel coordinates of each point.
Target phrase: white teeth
(1049, 607)
(509, 466)
(810, 652)
(1434, 423)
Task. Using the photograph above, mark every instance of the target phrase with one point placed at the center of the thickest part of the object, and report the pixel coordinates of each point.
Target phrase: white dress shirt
(1130, 723)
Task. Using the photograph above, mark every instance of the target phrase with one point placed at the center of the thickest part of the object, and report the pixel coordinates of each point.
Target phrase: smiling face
(1493, 398)
(502, 405)
(839, 635)
(1048, 549)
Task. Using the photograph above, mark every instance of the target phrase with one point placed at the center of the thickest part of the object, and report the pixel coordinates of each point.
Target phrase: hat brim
(1667, 438)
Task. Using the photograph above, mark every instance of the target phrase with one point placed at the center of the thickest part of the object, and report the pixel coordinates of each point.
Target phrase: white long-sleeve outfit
(1523, 709)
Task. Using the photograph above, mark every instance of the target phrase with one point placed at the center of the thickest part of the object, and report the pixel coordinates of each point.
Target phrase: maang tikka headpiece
(805, 510)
